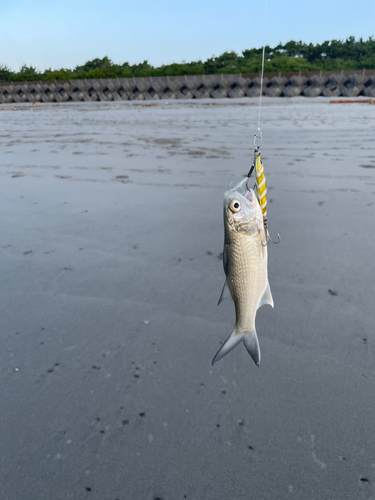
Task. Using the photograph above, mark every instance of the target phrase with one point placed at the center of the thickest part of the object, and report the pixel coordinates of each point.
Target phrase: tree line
(332, 55)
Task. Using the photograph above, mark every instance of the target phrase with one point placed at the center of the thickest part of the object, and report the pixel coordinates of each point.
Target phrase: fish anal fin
(225, 293)
(266, 297)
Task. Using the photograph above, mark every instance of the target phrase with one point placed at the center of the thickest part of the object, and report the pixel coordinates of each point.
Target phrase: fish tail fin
(232, 341)
(250, 339)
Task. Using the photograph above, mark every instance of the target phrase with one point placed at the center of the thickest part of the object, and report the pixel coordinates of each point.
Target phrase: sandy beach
(111, 237)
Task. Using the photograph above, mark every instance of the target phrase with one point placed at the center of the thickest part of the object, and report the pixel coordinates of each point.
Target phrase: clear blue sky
(66, 33)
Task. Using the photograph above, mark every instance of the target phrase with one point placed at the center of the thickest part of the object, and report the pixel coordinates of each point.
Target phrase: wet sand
(111, 235)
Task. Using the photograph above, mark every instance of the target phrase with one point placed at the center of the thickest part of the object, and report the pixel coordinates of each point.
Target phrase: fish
(245, 262)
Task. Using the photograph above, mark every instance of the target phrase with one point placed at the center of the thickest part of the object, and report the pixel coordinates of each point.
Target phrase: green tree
(332, 55)
(5, 73)
(26, 73)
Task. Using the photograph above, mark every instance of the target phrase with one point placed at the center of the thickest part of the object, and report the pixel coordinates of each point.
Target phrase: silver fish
(245, 267)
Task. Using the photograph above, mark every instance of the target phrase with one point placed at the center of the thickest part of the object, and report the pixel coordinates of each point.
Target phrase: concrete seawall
(345, 83)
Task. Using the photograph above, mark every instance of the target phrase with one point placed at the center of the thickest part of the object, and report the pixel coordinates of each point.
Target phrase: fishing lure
(260, 186)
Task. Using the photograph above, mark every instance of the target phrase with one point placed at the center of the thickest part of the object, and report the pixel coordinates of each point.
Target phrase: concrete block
(291, 91)
(334, 81)
(47, 96)
(124, 96)
(65, 96)
(105, 95)
(37, 96)
(201, 91)
(58, 97)
(296, 81)
(167, 93)
(65, 85)
(44, 97)
(236, 88)
(354, 81)
(135, 93)
(152, 94)
(184, 91)
(197, 94)
(312, 91)
(173, 85)
(369, 86)
(252, 92)
(219, 94)
(313, 86)
(87, 97)
(236, 93)
(369, 91)
(349, 92)
(273, 91)
(111, 86)
(293, 86)
(22, 95)
(327, 92)
(218, 90)
(52, 87)
(38, 87)
(116, 96)
(180, 95)
(30, 97)
(76, 95)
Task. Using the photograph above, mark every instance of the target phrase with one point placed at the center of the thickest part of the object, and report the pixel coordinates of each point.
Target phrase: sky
(55, 34)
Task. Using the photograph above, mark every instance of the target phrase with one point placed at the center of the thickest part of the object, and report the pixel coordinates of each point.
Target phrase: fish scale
(247, 277)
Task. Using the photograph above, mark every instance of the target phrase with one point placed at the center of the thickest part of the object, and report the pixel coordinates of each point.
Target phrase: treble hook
(268, 237)
(271, 240)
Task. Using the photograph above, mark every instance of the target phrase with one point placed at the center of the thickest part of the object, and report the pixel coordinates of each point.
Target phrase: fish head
(242, 212)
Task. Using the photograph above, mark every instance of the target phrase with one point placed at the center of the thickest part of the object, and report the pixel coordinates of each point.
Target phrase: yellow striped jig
(260, 183)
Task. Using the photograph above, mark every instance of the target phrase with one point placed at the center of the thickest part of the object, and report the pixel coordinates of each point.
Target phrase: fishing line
(260, 180)
(261, 88)
(258, 133)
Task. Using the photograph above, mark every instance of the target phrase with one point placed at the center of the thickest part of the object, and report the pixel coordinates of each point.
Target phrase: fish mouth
(249, 195)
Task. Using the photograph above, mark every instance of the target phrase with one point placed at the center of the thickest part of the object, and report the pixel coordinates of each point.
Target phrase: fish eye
(235, 206)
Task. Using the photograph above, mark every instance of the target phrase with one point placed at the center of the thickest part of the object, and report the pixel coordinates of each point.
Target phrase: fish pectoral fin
(225, 293)
(232, 341)
(250, 339)
(266, 297)
(225, 261)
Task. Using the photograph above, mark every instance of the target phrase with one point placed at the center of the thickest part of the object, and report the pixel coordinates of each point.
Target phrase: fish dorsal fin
(266, 297)
(225, 294)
